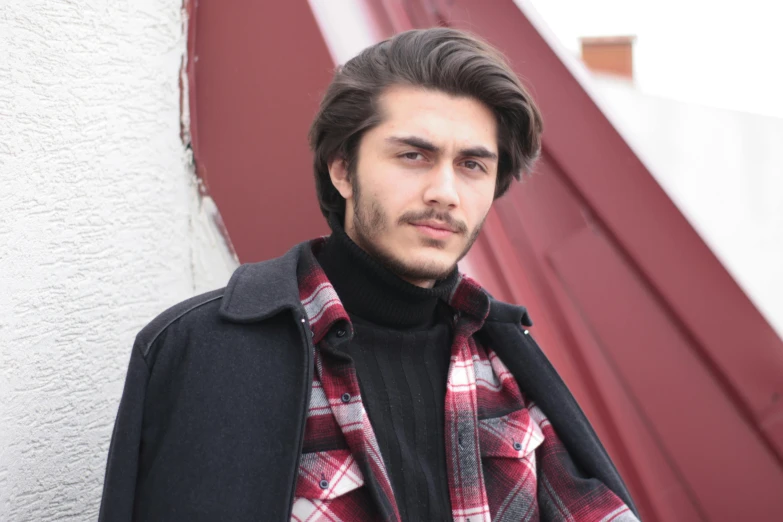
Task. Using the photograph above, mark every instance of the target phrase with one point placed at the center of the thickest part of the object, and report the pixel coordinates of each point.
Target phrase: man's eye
(412, 155)
(473, 165)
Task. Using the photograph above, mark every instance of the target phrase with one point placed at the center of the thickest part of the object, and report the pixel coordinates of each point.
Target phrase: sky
(715, 53)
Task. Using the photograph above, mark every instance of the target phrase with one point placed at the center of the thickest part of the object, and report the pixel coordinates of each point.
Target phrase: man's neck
(421, 283)
(370, 291)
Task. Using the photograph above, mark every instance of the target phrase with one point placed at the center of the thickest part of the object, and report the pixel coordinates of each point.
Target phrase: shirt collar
(258, 291)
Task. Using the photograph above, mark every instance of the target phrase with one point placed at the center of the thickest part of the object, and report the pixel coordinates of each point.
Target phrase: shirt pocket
(514, 436)
(508, 460)
(329, 487)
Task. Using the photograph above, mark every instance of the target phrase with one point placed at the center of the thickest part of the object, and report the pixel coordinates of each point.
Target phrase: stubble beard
(369, 222)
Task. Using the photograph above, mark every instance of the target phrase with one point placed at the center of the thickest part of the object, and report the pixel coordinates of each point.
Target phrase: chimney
(609, 55)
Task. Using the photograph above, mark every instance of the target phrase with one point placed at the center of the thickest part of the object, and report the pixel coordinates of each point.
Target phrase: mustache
(444, 217)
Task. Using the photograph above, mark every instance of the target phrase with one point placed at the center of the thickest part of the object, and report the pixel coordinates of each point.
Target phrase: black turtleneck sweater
(400, 349)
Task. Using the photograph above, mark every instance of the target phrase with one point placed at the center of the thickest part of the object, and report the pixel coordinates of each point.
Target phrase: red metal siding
(679, 373)
(259, 70)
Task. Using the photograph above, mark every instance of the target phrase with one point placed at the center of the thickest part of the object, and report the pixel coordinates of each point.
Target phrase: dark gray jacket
(212, 417)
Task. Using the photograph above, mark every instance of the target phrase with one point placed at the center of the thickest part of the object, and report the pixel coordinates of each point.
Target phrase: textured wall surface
(101, 228)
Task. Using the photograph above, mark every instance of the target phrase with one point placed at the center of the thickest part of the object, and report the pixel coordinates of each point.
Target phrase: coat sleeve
(122, 467)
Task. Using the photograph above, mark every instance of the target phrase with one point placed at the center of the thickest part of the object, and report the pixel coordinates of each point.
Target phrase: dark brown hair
(443, 59)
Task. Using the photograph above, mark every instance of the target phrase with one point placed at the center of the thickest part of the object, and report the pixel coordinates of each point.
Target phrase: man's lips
(434, 229)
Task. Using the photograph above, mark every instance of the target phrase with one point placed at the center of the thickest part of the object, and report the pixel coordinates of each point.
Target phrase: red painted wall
(258, 70)
(680, 374)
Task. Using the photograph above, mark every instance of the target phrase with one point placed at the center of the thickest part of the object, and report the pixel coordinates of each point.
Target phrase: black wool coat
(212, 416)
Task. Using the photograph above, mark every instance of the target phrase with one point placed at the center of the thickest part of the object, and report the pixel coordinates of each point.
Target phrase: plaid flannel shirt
(504, 460)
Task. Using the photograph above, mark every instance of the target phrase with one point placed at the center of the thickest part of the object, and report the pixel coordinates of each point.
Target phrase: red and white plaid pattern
(504, 460)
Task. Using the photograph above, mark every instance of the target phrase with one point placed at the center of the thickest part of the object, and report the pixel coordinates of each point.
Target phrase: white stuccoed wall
(101, 228)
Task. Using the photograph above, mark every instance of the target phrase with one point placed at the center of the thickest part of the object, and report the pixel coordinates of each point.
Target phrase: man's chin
(421, 270)
(414, 262)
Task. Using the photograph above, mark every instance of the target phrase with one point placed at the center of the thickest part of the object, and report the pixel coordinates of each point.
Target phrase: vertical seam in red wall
(190, 12)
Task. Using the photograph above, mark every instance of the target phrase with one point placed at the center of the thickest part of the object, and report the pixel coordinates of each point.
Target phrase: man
(361, 377)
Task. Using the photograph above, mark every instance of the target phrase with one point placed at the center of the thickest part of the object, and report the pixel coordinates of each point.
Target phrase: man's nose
(442, 186)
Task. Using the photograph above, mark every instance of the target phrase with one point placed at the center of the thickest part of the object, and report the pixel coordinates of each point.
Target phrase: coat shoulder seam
(148, 345)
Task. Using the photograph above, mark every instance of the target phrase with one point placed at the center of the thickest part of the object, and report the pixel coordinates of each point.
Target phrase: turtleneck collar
(371, 292)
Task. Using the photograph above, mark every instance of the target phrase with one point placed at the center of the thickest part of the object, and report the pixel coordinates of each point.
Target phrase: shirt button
(518, 446)
(324, 484)
(526, 332)
(341, 333)
(346, 397)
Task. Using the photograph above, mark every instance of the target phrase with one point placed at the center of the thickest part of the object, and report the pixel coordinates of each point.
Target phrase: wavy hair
(443, 59)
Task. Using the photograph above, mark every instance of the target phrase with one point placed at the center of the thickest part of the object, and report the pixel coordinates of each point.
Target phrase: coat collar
(501, 312)
(257, 291)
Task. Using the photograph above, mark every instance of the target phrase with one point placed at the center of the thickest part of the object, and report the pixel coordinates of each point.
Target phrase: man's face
(423, 182)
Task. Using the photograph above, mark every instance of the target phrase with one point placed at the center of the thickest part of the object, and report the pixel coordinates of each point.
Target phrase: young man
(361, 377)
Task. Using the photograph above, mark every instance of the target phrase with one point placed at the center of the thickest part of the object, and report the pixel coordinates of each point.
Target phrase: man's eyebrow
(413, 141)
(420, 143)
(479, 152)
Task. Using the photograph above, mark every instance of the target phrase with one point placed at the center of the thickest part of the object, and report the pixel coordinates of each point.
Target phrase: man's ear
(338, 172)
